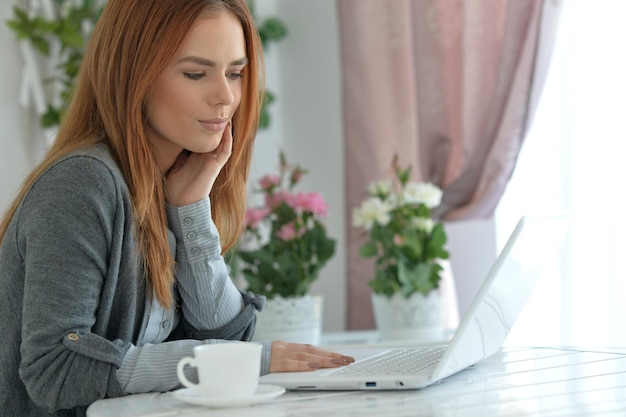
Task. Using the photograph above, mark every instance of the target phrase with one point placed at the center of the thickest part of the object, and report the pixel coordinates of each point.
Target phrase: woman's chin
(203, 148)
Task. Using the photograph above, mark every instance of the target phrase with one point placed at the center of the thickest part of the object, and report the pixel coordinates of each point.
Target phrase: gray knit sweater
(72, 293)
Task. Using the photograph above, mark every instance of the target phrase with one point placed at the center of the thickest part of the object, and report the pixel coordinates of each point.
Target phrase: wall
(303, 71)
(17, 143)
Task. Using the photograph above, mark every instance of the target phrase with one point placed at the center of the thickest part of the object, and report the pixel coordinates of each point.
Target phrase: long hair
(132, 43)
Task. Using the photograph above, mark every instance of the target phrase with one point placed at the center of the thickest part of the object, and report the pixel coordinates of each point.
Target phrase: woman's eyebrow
(209, 63)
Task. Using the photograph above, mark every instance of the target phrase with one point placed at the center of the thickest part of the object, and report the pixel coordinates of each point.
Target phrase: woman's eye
(235, 75)
(194, 76)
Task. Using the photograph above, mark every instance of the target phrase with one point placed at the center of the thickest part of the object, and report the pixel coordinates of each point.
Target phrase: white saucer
(263, 392)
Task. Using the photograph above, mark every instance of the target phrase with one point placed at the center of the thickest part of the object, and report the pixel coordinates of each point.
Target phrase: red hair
(131, 45)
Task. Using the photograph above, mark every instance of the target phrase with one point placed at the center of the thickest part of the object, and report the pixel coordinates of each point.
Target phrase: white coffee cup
(228, 370)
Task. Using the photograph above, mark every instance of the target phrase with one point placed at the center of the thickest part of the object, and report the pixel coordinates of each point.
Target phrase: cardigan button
(195, 251)
(73, 337)
(187, 221)
(191, 235)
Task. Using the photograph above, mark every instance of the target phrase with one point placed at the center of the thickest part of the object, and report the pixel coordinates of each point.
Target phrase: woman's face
(194, 98)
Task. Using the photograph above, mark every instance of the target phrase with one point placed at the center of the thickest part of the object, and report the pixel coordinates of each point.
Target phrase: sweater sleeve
(152, 367)
(64, 234)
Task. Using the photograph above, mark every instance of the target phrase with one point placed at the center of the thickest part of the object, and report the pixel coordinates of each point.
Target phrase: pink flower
(254, 216)
(274, 200)
(398, 240)
(269, 181)
(311, 202)
(287, 232)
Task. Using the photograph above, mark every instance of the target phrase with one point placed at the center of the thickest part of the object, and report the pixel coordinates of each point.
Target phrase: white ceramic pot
(297, 319)
(418, 318)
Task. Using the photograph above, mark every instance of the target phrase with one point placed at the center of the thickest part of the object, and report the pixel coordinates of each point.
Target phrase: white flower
(394, 200)
(373, 210)
(426, 193)
(379, 188)
(424, 224)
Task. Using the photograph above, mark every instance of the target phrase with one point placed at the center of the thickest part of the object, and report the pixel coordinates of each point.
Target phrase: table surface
(528, 381)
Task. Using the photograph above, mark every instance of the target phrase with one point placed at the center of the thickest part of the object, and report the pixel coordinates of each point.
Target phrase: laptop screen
(505, 291)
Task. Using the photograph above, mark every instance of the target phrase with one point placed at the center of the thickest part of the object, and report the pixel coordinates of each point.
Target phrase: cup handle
(181, 374)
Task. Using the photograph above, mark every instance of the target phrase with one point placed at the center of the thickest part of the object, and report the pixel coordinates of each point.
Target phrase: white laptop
(500, 300)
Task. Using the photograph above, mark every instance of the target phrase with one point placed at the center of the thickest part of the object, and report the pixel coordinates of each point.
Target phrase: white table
(514, 382)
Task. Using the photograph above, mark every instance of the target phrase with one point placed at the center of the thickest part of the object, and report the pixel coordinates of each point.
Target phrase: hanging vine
(53, 36)
(270, 29)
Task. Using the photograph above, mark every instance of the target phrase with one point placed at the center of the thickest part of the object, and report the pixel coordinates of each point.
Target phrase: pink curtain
(449, 85)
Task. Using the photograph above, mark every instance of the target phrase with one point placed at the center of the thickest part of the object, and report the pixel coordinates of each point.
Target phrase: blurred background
(571, 160)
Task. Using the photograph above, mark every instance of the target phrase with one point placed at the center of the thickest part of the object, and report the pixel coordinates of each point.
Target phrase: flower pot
(418, 318)
(297, 319)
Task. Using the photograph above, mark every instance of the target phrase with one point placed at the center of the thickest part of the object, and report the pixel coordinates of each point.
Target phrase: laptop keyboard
(400, 361)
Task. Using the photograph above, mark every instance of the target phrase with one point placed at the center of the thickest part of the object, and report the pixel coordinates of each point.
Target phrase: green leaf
(423, 211)
(21, 14)
(437, 242)
(383, 283)
(272, 29)
(41, 45)
(413, 246)
(256, 257)
(71, 38)
(325, 250)
(47, 26)
(18, 29)
(368, 250)
(264, 119)
(421, 278)
(435, 276)
(50, 118)
(404, 175)
(268, 97)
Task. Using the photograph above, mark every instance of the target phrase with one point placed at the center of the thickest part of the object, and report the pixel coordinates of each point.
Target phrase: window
(574, 158)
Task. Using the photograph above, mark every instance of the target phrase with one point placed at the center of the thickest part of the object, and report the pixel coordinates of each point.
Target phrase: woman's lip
(214, 125)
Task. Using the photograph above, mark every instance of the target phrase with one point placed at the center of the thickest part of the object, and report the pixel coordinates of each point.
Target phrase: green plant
(401, 234)
(68, 28)
(287, 236)
(270, 29)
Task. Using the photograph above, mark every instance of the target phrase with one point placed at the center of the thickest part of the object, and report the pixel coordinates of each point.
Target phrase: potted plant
(281, 252)
(408, 246)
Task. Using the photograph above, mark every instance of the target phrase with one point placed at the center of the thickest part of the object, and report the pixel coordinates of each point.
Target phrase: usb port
(370, 384)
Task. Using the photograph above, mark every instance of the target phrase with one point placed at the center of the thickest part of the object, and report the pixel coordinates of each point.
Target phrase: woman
(110, 258)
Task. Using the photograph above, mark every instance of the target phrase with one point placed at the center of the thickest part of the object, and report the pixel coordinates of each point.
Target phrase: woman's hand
(192, 175)
(293, 357)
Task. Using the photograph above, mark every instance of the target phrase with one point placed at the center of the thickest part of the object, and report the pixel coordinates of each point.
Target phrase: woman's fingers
(192, 175)
(225, 148)
(291, 365)
(180, 162)
(293, 357)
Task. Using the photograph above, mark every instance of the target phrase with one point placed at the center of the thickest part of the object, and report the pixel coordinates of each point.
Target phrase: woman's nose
(221, 93)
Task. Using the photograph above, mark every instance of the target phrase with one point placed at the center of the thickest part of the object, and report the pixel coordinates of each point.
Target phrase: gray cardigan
(73, 293)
